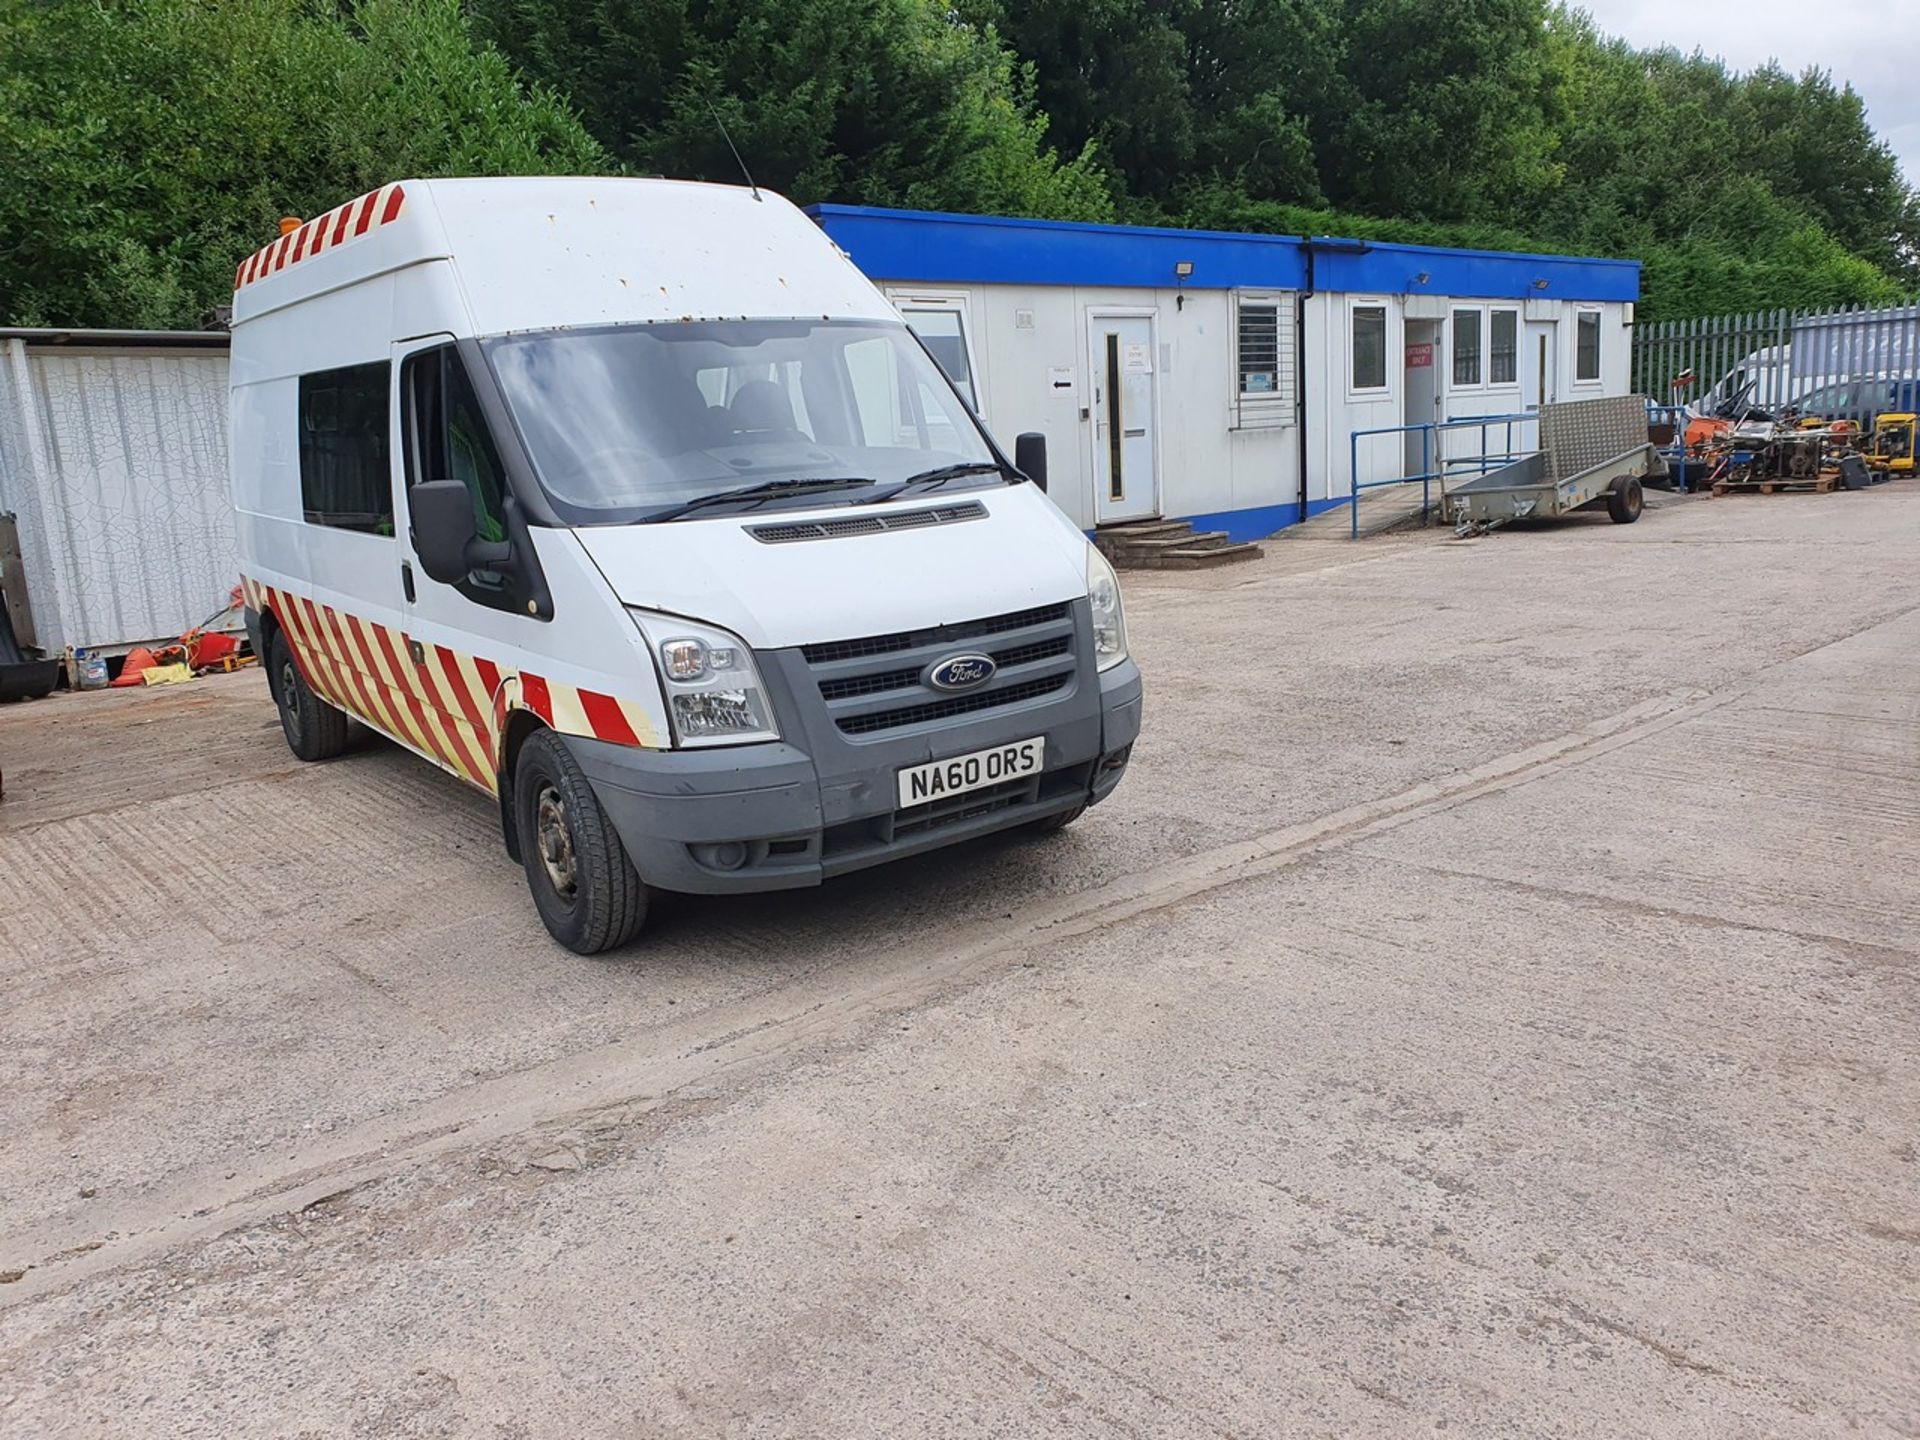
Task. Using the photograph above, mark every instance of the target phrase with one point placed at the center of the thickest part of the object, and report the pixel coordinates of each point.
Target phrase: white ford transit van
(634, 504)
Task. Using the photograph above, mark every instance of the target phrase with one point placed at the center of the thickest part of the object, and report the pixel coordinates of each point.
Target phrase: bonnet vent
(866, 524)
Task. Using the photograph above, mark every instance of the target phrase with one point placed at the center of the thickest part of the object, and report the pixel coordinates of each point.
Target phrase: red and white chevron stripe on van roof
(337, 227)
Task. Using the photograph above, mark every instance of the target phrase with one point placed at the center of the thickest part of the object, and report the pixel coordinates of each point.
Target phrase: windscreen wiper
(936, 477)
(759, 493)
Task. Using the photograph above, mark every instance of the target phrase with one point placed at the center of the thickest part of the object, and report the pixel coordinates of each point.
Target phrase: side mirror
(443, 533)
(1030, 457)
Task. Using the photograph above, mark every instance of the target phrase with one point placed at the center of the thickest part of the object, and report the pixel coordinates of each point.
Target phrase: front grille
(885, 680)
(934, 815)
(867, 524)
(876, 684)
(942, 635)
(958, 705)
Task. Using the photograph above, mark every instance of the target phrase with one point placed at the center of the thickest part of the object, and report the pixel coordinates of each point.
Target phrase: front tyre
(314, 729)
(1054, 824)
(589, 896)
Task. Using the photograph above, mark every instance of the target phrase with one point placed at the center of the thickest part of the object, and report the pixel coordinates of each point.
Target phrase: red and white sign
(1419, 357)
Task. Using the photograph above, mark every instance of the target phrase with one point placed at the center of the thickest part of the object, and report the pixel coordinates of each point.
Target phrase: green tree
(149, 145)
(867, 101)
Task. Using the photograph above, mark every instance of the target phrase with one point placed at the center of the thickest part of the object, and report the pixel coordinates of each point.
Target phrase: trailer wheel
(1625, 502)
(589, 896)
(314, 729)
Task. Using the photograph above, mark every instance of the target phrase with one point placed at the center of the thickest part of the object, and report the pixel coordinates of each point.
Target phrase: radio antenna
(721, 125)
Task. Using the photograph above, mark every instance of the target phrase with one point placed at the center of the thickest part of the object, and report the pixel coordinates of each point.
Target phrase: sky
(1872, 44)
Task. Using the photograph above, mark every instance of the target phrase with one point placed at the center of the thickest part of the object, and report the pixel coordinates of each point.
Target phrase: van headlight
(1109, 618)
(714, 694)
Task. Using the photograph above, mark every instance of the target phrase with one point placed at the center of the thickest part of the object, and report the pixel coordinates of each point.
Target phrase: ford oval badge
(961, 672)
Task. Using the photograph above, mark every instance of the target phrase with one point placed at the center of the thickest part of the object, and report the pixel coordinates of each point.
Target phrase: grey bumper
(780, 816)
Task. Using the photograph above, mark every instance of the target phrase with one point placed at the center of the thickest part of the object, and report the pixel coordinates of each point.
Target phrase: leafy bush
(149, 145)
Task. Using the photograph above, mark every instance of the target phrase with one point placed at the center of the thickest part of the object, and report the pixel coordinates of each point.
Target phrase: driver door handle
(406, 579)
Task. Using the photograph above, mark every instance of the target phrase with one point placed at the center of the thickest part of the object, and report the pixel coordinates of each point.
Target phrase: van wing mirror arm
(490, 555)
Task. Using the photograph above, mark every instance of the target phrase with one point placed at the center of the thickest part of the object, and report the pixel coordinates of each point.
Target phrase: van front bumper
(786, 815)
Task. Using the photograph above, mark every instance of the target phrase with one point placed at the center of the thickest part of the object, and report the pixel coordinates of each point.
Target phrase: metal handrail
(1430, 432)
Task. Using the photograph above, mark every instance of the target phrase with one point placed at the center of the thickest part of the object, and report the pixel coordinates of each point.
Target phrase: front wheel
(1053, 824)
(589, 896)
(1626, 501)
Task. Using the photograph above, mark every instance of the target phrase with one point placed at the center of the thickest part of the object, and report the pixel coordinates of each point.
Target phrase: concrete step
(1189, 558)
(1168, 545)
(1183, 539)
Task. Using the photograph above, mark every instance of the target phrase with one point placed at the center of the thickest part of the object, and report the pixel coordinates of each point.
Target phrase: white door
(1122, 362)
(1538, 381)
(1422, 391)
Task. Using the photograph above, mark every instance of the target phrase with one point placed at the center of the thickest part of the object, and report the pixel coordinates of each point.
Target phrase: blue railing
(1675, 454)
(1435, 464)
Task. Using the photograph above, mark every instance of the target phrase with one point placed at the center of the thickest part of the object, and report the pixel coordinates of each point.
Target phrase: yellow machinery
(1892, 447)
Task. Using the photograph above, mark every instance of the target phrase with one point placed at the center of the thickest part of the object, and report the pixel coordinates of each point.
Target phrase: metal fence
(1843, 362)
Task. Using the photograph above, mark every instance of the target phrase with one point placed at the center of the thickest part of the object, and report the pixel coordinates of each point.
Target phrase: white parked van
(633, 503)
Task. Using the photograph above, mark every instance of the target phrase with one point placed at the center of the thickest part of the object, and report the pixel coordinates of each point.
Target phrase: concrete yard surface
(1487, 1008)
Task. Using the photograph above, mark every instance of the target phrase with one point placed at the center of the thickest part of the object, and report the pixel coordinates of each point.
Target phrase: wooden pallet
(1812, 484)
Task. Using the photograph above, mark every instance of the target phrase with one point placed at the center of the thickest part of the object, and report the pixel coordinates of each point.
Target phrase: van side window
(447, 436)
(345, 481)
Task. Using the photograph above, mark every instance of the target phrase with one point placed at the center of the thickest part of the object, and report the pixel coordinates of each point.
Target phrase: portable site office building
(1220, 377)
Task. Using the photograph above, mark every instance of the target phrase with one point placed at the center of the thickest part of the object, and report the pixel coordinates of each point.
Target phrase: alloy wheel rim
(290, 697)
(555, 842)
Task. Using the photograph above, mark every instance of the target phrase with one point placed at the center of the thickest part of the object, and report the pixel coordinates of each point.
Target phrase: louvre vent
(866, 524)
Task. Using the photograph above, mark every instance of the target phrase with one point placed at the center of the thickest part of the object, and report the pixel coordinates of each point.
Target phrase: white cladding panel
(1029, 339)
(114, 460)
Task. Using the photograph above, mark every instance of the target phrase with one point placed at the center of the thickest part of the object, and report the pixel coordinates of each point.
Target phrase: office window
(1503, 348)
(1369, 347)
(1466, 347)
(344, 479)
(1586, 346)
(943, 330)
(1263, 346)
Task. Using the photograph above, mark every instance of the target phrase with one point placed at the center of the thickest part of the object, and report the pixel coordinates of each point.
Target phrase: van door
(458, 640)
(1121, 359)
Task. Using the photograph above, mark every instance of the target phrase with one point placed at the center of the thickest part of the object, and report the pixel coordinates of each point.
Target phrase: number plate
(923, 784)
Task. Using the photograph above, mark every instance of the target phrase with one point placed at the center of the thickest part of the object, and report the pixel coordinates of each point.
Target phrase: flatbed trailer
(1593, 454)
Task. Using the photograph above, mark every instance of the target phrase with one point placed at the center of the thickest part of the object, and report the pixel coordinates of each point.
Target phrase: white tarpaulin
(113, 456)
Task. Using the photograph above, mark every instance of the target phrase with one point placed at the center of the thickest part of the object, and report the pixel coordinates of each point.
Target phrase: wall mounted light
(1540, 284)
(1182, 271)
(1422, 278)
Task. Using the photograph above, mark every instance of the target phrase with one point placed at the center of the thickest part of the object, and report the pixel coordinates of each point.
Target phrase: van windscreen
(632, 422)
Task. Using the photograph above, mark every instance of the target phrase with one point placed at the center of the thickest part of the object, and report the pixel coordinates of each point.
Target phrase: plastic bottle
(91, 668)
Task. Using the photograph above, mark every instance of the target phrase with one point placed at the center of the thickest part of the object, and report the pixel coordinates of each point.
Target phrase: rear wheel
(589, 896)
(1625, 502)
(314, 729)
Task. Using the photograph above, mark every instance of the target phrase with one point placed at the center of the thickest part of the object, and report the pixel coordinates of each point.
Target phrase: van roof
(543, 252)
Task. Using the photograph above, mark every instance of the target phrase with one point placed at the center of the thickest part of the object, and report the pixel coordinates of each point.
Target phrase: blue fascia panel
(989, 249)
(924, 245)
(1474, 274)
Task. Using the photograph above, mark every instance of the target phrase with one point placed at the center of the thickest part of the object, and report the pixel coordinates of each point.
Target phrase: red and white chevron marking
(448, 706)
(339, 226)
